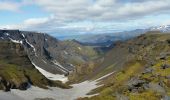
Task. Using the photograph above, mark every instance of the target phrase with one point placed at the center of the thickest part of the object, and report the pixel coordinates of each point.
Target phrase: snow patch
(44, 61)
(9, 96)
(23, 35)
(104, 76)
(32, 47)
(162, 28)
(72, 65)
(65, 52)
(79, 48)
(15, 41)
(78, 90)
(51, 76)
(7, 34)
(29, 44)
(59, 65)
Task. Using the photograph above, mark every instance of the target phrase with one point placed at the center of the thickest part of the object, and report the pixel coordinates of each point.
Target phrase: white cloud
(9, 6)
(70, 15)
(102, 9)
(36, 21)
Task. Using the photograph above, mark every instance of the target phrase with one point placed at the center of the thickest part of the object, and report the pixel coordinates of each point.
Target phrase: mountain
(48, 53)
(162, 28)
(106, 39)
(17, 71)
(141, 69)
(136, 68)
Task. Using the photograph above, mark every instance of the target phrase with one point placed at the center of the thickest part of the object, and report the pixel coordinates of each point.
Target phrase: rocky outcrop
(17, 71)
(49, 53)
(6, 85)
(148, 81)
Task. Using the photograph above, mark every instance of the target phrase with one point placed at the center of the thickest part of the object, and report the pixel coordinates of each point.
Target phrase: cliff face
(49, 53)
(16, 70)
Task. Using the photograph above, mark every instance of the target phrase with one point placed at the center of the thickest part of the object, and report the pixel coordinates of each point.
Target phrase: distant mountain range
(107, 39)
(163, 28)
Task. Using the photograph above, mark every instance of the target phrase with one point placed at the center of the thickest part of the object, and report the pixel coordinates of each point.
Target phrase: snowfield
(51, 76)
(59, 65)
(78, 90)
(15, 41)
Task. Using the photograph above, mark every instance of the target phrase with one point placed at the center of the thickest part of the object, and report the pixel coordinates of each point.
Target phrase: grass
(115, 83)
(149, 48)
(107, 70)
(16, 68)
(147, 95)
(133, 69)
(12, 72)
(80, 49)
(17, 74)
(162, 72)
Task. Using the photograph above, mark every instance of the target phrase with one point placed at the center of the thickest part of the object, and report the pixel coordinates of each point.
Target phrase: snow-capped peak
(162, 28)
(6, 34)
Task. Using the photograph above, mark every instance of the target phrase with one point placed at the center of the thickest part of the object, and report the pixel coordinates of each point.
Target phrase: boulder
(165, 66)
(156, 87)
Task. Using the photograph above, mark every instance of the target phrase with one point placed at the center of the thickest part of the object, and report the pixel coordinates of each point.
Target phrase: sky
(75, 17)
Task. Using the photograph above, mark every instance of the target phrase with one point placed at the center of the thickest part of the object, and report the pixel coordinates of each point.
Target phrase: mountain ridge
(143, 70)
(53, 55)
(17, 71)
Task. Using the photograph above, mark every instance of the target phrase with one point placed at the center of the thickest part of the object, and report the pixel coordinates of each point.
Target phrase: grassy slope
(79, 49)
(144, 52)
(80, 52)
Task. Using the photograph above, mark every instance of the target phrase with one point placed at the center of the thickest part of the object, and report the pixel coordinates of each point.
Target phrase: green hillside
(142, 69)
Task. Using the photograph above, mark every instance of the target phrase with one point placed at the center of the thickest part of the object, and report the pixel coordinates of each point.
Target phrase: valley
(36, 66)
(84, 49)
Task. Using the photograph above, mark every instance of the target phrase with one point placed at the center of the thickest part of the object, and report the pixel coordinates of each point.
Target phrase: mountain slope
(17, 71)
(141, 68)
(48, 53)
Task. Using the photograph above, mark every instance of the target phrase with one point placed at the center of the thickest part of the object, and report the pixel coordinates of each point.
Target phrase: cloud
(12, 5)
(36, 21)
(84, 16)
(100, 10)
(9, 6)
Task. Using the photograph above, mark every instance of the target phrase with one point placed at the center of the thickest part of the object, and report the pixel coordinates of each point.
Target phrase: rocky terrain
(141, 68)
(135, 68)
(50, 54)
(17, 71)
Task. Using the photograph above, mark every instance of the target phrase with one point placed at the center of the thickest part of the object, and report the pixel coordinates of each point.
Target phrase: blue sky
(71, 17)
